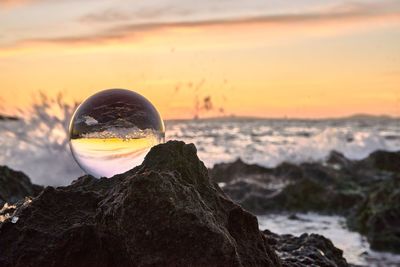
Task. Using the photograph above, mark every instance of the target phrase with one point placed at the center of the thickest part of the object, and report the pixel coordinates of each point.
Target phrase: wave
(122, 133)
(38, 143)
(270, 143)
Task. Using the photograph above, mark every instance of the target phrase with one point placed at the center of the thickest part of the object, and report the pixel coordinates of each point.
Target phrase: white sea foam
(43, 155)
(270, 142)
(39, 147)
(122, 133)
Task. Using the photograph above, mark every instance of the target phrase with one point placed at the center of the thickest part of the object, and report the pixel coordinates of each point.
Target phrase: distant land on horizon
(359, 116)
(7, 117)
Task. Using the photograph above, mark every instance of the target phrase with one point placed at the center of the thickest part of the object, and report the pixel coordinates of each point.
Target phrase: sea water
(355, 247)
(270, 142)
(266, 142)
(46, 159)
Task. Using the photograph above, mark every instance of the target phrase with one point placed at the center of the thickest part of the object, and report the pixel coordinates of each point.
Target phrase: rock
(227, 172)
(242, 191)
(382, 160)
(288, 171)
(166, 212)
(8, 118)
(378, 217)
(306, 250)
(303, 196)
(339, 161)
(15, 186)
(307, 187)
(365, 191)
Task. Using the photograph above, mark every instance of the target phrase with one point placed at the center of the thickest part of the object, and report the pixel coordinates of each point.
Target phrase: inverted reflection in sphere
(112, 131)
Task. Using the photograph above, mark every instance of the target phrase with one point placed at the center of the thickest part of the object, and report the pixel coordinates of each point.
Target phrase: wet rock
(378, 217)
(15, 186)
(306, 250)
(338, 161)
(382, 160)
(166, 212)
(303, 196)
(288, 171)
(243, 190)
(306, 187)
(227, 172)
(365, 191)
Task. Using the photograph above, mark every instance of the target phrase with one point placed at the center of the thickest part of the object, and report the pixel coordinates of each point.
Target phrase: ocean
(356, 249)
(41, 150)
(270, 142)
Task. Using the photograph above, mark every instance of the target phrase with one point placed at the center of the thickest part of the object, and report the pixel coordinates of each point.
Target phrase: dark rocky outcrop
(165, 212)
(378, 216)
(15, 186)
(8, 118)
(365, 191)
(382, 160)
(226, 172)
(306, 250)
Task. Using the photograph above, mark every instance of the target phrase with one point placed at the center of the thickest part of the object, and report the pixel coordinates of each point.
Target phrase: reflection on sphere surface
(112, 131)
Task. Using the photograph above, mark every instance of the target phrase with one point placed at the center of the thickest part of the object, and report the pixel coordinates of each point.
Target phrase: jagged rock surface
(306, 250)
(165, 212)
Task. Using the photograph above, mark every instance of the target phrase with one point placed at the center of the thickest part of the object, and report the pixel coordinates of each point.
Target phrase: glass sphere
(112, 131)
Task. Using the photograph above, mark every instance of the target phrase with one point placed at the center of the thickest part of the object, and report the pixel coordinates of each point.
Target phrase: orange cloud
(218, 32)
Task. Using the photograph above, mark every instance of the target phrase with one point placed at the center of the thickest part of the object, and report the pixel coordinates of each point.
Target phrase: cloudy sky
(255, 58)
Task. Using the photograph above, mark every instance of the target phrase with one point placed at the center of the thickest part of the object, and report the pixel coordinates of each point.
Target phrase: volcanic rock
(165, 212)
(306, 250)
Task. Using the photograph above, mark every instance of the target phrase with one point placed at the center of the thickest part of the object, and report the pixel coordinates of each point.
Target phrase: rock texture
(15, 186)
(367, 192)
(165, 212)
(378, 215)
(306, 250)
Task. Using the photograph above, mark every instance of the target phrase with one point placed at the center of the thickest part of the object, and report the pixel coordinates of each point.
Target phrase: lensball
(112, 131)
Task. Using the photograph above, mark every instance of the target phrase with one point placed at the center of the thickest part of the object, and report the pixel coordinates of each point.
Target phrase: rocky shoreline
(366, 192)
(165, 212)
(8, 118)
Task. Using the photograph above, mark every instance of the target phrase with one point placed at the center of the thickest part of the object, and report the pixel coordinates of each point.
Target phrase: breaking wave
(122, 133)
(271, 142)
(38, 143)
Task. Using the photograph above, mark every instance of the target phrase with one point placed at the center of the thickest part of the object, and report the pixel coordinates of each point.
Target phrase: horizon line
(239, 117)
(6, 116)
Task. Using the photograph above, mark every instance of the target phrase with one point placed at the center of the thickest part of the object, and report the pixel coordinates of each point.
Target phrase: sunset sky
(265, 58)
